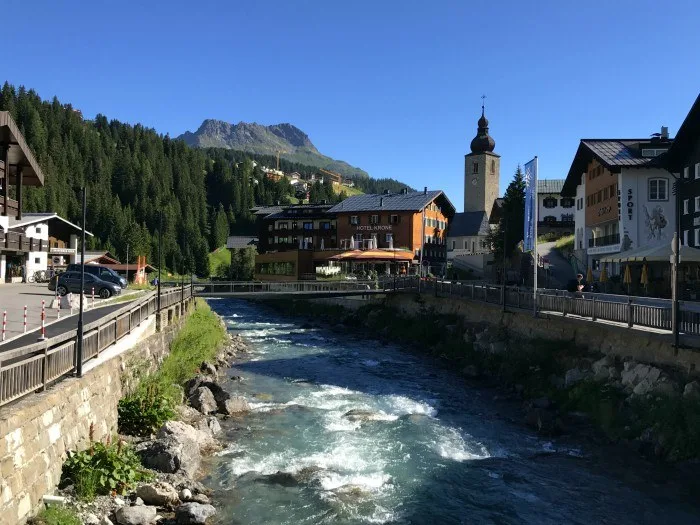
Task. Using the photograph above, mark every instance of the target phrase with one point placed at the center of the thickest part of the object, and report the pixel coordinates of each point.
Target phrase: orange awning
(374, 255)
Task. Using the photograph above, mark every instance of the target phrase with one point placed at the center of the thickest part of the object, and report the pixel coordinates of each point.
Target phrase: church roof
(483, 142)
(468, 224)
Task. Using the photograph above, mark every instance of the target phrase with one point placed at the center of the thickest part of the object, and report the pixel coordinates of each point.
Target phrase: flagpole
(536, 206)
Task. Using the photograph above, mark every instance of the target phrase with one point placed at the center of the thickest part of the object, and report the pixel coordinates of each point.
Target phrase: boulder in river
(203, 400)
(159, 494)
(235, 405)
(692, 390)
(358, 414)
(170, 456)
(186, 434)
(139, 515)
(193, 513)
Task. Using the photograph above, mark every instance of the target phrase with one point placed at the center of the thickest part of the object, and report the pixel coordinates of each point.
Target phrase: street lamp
(79, 345)
(160, 251)
(675, 260)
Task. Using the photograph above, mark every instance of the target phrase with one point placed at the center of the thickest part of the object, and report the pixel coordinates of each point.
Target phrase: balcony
(18, 242)
(12, 207)
(605, 240)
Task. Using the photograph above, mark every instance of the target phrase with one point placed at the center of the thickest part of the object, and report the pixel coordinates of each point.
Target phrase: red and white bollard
(25, 318)
(4, 324)
(43, 320)
(93, 297)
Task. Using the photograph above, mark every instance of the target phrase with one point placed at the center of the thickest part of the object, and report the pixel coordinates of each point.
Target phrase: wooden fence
(35, 366)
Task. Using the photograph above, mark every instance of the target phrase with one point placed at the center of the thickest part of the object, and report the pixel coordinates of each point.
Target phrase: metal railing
(33, 367)
(632, 311)
(213, 288)
(605, 240)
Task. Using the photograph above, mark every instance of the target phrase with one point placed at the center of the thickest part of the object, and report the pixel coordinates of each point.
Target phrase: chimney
(664, 132)
(386, 192)
(404, 191)
(425, 190)
(381, 201)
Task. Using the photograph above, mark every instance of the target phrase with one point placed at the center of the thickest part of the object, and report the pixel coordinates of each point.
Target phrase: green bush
(104, 468)
(57, 516)
(145, 411)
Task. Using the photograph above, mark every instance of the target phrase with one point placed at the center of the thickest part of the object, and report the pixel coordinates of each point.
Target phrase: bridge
(305, 289)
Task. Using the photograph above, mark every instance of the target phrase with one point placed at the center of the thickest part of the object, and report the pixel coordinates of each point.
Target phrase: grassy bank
(667, 426)
(154, 400)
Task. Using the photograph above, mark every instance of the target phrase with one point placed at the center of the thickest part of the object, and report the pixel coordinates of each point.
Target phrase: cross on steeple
(483, 99)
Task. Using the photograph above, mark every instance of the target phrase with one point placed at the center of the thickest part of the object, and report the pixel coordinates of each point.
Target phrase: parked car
(101, 272)
(70, 282)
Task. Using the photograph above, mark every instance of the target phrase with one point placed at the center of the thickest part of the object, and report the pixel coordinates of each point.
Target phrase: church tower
(482, 168)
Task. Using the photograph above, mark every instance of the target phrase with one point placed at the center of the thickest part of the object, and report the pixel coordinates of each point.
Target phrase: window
(308, 225)
(465, 245)
(550, 219)
(697, 205)
(685, 238)
(394, 219)
(475, 167)
(686, 172)
(38, 230)
(374, 219)
(697, 170)
(658, 190)
(567, 217)
(388, 238)
(37, 260)
(685, 206)
(599, 196)
(697, 237)
(325, 225)
(282, 225)
(549, 202)
(454, 243)
(567, 202)
(493, 166)
(354, 219)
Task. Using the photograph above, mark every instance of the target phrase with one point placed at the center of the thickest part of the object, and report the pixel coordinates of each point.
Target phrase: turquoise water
(426, 449)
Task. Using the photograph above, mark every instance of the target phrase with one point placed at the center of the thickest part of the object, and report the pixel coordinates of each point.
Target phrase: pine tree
(512, 219)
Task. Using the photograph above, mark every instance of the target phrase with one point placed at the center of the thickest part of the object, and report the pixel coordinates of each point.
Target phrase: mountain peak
(291, 142)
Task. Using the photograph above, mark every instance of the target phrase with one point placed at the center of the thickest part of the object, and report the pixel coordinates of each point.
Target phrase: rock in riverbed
(193, 513)
(141, 515)
(203, 400)
(159, 494)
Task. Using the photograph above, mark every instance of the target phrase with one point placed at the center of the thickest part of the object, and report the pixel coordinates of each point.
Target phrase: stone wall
(639, 344)
(37, 431)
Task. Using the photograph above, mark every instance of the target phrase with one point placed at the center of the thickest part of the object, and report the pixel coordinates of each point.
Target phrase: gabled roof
(265, 210)
(409, 201)
(33, 218)
(687, 138)
(19, 152)
(550, 185)
(468, 224)
(613, 154)
(240, 241)
(97, 258)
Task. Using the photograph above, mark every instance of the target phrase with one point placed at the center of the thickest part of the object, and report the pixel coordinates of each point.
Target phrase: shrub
(145, 411)
(57, 516)
(104, 468)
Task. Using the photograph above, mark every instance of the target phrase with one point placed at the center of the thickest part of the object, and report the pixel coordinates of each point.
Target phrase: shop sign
(375, 227)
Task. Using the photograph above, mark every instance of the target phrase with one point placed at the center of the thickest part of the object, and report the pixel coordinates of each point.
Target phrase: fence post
(593, 316)
(564, 303)
(43, 368)
(630, 307)
(436, 286)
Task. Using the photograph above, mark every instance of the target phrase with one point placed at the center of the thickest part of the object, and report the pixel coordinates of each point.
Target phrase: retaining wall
(37, 431)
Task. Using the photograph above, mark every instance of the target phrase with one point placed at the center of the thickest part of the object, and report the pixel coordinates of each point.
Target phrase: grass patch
(57, 516)
(220, 256)
(153, 402)
(565, 243)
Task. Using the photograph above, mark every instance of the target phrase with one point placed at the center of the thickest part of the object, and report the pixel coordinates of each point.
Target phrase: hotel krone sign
(375, 227)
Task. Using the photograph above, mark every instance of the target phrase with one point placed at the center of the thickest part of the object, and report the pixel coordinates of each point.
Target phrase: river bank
(346, 426)
(168, 423)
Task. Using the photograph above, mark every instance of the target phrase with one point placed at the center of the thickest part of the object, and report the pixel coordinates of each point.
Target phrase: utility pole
(160, 252)
(505, 238)
(127, 264)
(79, 345)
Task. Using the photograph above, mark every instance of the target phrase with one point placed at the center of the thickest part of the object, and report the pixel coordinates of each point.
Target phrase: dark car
(70, 282)
(101, 272)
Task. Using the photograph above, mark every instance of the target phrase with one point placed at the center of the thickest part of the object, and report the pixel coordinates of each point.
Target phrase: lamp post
(675, 260)
(160, 252)
(79, 345)
(505, 238)
(127, 264)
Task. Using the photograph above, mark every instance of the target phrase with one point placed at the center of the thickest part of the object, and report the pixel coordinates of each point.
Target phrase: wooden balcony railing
(12, 207)
(15, 241)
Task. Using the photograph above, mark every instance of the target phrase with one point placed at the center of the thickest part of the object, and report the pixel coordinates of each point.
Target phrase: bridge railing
(33, 367)
(290, 287)
(633, 311)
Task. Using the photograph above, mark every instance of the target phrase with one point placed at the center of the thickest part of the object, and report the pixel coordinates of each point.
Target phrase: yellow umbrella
(645, 275)
(589, 275)
(604, 275)
(627, 278)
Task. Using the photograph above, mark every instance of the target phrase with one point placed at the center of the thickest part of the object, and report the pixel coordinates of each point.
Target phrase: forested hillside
(132, 174)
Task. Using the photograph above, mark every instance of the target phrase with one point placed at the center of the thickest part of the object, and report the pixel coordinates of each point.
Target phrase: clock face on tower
(475, 181)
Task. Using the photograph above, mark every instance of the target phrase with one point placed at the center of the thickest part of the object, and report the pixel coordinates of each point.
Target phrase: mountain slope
(292, 143)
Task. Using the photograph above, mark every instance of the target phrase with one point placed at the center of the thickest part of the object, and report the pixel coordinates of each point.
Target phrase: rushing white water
(346, 430)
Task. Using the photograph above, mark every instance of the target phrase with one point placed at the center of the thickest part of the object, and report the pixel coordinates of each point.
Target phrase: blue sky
(393, 87)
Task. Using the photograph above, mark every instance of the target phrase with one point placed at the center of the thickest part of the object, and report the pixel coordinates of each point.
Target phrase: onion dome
(483, 142)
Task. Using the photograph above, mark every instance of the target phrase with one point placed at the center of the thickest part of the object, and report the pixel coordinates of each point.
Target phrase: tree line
(140, 182)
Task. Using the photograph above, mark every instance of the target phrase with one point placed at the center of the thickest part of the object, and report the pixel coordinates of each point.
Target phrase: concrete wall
(37, 431)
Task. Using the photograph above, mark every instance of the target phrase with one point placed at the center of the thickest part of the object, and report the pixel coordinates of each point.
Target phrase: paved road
(64, 325)
(561, 271)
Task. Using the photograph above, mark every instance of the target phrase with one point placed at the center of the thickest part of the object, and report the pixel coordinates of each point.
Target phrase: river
(434, 451)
